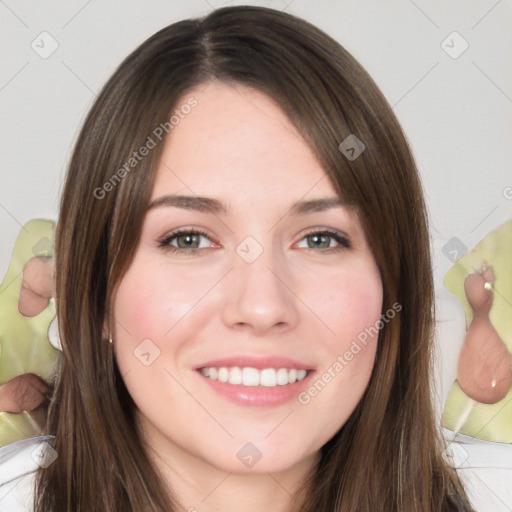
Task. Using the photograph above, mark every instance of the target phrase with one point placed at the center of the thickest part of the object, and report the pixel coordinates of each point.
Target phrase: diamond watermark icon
(249, 455)
(454, 45)
(455, 454)
(44, 45)
(43, 248)
(44, 455)
(249, 249)
(454, 249)
(351, 147)
(147, 352)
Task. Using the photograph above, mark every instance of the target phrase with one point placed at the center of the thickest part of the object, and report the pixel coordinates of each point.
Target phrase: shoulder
(19, 462)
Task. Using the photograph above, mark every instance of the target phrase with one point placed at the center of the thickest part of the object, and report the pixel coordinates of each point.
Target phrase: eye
(189, 241)
(186, 240)
(322, 240)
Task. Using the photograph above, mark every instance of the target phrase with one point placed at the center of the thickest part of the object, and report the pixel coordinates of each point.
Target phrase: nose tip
(256, 296)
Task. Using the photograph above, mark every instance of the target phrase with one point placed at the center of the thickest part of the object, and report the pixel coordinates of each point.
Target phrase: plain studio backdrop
(445, 67)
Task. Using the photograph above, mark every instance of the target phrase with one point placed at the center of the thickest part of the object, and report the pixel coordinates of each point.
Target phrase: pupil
(319, 238)
(188, 238)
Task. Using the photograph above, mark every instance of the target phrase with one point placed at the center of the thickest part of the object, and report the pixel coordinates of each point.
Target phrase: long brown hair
(387, 456)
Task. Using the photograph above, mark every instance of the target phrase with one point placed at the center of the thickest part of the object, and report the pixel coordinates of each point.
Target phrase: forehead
(237, 143)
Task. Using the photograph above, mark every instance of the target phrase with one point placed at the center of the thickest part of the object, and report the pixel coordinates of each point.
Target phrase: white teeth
(301, 374)
(235, 376)
(223, 375)
(282, 376)
(250, 377)
(269, 377)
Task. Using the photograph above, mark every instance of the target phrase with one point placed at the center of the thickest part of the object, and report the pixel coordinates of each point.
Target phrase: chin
(259, 458)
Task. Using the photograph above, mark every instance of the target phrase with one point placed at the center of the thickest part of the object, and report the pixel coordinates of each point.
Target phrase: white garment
(18, 465)
(484, 467)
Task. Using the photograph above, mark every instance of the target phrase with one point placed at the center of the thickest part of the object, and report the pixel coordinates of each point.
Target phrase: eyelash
(165, 242)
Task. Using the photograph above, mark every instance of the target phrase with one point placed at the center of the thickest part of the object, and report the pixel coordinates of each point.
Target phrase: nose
(259, 296)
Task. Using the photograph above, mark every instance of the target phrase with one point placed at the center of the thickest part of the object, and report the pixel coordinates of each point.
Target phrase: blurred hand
(23, 393)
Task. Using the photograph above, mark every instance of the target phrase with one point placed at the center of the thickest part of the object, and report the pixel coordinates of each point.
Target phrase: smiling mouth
(254, 377)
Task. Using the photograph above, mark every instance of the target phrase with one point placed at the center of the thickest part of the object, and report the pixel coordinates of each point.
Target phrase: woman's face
(253, 291)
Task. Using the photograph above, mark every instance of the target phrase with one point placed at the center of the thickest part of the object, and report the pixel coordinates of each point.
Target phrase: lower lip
(258, 395)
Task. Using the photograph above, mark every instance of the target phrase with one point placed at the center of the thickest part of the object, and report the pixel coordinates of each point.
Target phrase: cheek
(151, 300)
(350, 307)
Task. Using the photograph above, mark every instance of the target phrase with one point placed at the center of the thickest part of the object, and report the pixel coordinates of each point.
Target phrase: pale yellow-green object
(491, 422)
(14, 427)
(24, 342)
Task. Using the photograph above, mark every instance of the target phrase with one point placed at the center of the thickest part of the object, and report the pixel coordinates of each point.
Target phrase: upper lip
(259, 362)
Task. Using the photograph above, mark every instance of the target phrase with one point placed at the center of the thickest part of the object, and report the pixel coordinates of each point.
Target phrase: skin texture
(295, 300)
(484, 368)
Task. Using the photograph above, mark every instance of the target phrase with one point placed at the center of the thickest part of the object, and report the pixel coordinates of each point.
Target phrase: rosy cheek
(136, 304)
(152, 298)
(353, 305)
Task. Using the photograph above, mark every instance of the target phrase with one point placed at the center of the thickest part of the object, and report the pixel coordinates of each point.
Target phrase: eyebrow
(216, 207)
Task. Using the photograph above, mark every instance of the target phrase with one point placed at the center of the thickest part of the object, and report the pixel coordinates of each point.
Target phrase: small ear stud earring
(110, 338)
